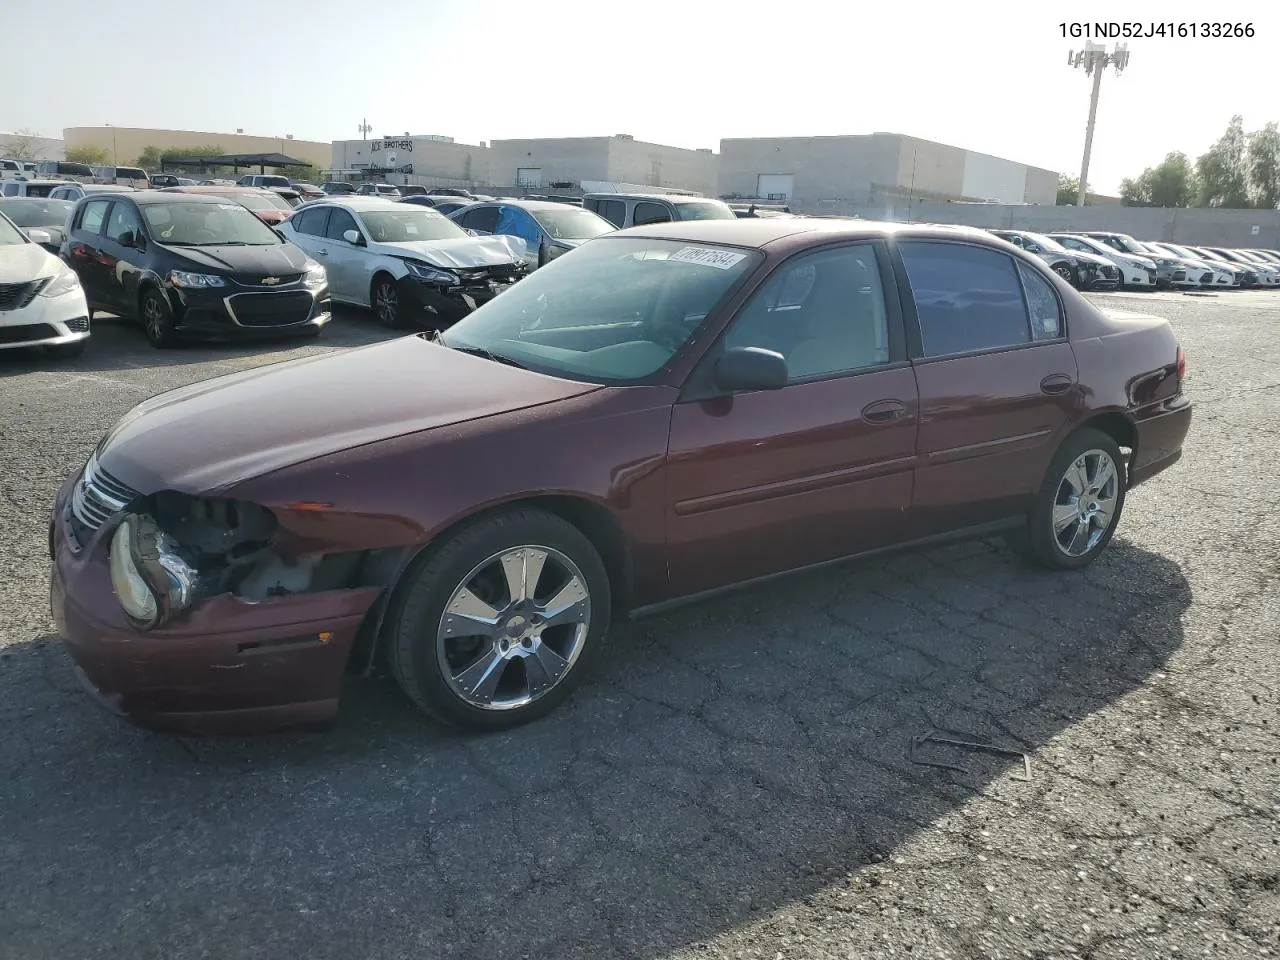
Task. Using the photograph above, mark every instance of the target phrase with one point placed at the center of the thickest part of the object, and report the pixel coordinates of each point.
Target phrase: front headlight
(195, 281)
(316, 276)
(64, 282)
(151, 579)
(423, 271)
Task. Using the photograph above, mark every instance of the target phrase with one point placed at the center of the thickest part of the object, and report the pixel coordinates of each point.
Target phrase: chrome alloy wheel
(514, 627)
(153, 318)
(1085, 503)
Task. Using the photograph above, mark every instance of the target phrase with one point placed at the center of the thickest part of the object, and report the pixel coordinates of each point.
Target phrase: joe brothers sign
(380, 145)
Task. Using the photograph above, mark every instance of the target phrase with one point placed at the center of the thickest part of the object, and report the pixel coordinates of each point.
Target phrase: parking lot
(738, 780)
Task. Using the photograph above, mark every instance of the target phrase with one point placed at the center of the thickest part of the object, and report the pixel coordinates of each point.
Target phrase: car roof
(171, 195)
(525, 204)
(220, 189)
(672, 197)
(357, 203)
(57, 183)
(801, 231)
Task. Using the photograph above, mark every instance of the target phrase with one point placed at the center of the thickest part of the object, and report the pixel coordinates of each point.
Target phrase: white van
(634, 209)
(124, 176)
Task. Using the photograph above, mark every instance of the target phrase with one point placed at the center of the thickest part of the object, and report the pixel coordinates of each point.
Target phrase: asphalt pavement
(737, 782)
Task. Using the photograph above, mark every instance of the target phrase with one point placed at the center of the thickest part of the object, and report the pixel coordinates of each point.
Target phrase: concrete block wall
(1200, 227)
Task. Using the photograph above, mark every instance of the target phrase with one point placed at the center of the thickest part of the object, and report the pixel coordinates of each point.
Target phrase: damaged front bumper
(437, 306)
(229, 665)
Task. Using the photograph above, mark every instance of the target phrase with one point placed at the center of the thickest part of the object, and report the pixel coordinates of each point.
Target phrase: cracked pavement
(734, 783)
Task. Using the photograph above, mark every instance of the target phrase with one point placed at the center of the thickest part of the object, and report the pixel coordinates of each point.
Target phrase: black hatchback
(185, 264)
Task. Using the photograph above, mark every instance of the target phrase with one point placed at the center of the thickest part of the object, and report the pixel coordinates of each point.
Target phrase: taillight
(1182, 367)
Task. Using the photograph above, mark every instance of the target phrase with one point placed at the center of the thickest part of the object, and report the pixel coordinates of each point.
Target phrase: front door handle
(884, 411)
(1056, 383)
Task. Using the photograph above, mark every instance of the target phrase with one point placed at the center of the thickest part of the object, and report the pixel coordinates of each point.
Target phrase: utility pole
(1094, 59)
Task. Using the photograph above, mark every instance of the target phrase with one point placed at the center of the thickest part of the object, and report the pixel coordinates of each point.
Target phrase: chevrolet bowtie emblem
(270, 281)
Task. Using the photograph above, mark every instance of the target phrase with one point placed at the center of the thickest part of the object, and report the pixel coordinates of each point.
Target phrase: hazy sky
(987, 76)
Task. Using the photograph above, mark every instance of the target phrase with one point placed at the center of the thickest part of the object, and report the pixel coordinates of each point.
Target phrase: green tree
(297, 173)
(1264, 166)
(1223, 170)
(148, 159)
(89, 153)
(1171, 183)
(153, 158)
(1136, 192)
(1068, 190)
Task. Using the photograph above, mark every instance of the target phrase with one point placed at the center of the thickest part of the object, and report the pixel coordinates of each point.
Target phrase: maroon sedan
(661, 413)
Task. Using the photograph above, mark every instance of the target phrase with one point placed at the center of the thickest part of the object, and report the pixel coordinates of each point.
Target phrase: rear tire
(1078, 506)
(535, 595)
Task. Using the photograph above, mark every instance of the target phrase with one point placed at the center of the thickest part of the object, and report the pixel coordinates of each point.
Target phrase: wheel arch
(1119, 427)
(593, 519)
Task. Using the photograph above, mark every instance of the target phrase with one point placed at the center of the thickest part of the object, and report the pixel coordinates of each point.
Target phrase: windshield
(1047, 242)
(409, 225)
(615, 309)
(130, 173)
(1127, 243)
(704, 210)
(271, 181)
(263, 201)
(191, 224)
(9, 234)
(37, 213)
(572, 223)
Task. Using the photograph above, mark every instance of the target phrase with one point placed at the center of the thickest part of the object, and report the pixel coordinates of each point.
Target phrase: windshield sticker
(720, 259)
(227, 206)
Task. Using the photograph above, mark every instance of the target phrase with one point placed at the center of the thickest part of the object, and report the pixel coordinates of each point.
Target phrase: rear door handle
(1056, 383)
(884, 411)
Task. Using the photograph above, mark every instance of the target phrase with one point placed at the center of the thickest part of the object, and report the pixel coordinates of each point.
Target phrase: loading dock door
(775, 186)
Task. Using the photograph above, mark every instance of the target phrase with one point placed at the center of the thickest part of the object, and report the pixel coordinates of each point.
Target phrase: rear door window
(968, 298)
(649, 212)
(310, 222)
(615, 211)
(483, 220)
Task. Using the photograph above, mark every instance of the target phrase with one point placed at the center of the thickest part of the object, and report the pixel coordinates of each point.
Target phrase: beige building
(542, 163)
(28, 146)
(429, 160)
(125, 144)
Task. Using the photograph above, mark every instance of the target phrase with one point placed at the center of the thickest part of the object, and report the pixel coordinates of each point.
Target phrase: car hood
(1089, 257)
(20, 262)
(258, 421)
(276, 258)
(460, 253)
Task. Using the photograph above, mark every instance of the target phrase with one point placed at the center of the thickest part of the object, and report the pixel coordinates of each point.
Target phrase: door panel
(85, 254)
(348, 277)
(987, 432)
(770, 481)
(767, 481)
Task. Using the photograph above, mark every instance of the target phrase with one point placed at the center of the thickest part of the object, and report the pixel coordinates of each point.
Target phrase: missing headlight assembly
(171, 551)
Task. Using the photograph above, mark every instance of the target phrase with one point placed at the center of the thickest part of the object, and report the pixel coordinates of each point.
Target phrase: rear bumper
(1161, 432)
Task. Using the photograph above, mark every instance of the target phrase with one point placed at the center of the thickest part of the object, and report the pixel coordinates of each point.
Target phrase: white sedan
(41, 301)
(1135, 271)
(411, 265)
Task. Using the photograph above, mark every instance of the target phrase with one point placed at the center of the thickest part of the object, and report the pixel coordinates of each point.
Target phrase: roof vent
(624, 136)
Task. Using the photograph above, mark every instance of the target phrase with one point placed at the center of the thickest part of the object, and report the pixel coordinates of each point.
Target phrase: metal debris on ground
(934, 735)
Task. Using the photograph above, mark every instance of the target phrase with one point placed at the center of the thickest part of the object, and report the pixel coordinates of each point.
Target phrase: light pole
(364, 129)
(1094, 59)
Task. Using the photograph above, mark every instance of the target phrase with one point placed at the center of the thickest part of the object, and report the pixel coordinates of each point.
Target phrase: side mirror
(353, 237)
(750, 368)
(42, 237)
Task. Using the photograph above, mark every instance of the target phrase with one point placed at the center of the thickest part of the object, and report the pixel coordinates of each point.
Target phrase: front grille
(270, 309)
(15, 296)
(1110, 272)
(27, 333)
(1207, 278)
(96, 497)
(255, 280)
(501, 273)
(78, 325)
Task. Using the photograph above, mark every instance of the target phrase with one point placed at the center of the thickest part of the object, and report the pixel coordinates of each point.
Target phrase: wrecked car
(411, 265)
(659, 414)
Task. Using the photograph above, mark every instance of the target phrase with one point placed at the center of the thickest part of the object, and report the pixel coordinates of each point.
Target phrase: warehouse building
(124, 145)
(566, 163)
(428, 159)
(874, 175)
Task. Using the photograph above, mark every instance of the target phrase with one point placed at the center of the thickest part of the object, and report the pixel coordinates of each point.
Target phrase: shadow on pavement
(729, 759)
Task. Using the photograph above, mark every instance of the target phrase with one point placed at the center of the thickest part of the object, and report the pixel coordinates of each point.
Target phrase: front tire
(502, 622)
(157, 319)
(1078, 506)
(385, 299)
(1068, 274)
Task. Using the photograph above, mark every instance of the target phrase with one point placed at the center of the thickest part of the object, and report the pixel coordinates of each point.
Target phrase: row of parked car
(252, 258)
(1103, 260)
